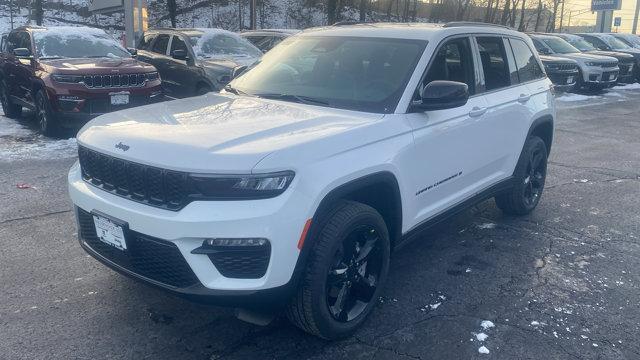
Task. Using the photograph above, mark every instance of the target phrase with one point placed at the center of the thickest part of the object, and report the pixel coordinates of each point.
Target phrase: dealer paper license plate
(109, 232)
(119, 99)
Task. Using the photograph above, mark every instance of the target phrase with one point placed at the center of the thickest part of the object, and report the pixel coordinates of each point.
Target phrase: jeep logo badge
(122, 146)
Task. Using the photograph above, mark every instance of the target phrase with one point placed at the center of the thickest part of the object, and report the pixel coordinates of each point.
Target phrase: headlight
(152, 76)
(237, 187)
(71, 79)
(591, 63)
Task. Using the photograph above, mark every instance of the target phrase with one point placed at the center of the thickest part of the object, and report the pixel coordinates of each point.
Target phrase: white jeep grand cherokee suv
(291, 189)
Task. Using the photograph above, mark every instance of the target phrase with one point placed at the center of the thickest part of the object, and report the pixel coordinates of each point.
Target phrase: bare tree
(521, 26)
(172, 9)
(538, 12)
(363, 10)
(38, 12)
(332, 11)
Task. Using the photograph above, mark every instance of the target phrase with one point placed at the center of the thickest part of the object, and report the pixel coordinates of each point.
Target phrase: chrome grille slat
(116, 81)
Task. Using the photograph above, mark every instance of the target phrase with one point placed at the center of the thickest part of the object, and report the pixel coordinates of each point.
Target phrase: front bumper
(74, 106)
(563, 80)
(595, 75)
(279, 219)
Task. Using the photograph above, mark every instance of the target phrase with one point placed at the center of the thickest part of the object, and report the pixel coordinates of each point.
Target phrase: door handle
(523, 98)
(477, 111)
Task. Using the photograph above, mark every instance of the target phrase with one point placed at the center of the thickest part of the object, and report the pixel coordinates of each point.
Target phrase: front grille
(566, 67)
(153, 258)
(242, 263)
(609, 64)
(625, 69)
(161, 188)
(114, 81)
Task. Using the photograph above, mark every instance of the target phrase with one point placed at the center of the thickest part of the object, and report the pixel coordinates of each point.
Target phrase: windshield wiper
(294, 98)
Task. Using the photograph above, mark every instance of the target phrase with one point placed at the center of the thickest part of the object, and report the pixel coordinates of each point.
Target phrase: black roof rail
(473, 23)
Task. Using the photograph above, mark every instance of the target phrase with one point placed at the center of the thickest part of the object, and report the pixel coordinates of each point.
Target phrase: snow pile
(68, 40)
(574, 97)
(634, 86)
(487, 226)
(17, 142)
(482, 337)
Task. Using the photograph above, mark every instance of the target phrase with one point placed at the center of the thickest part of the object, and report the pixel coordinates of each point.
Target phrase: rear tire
(10, 110)
(345, 272)
(529, 178)
(47, 123)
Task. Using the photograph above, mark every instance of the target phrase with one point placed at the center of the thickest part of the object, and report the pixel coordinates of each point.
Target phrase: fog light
(236, 242)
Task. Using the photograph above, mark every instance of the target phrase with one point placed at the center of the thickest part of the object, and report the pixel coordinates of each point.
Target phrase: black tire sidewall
(50, 127)
(533, 143)
(326, 324)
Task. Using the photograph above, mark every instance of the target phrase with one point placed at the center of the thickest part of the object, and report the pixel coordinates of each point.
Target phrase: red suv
(67, 75)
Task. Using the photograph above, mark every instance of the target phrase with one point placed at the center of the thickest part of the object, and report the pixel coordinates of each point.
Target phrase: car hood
(218, 133)
(586, 57)
(96, 65)
(229, 61)
(615, 54)
(555, 59)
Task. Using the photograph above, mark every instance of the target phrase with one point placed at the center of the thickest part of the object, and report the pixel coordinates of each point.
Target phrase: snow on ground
(483, 350)
(575, 97)
(634, 86)
(18, 142)
(486, 324)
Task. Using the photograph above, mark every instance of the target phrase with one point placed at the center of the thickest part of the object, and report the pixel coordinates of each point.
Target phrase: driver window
(178, 44)
(453, 62)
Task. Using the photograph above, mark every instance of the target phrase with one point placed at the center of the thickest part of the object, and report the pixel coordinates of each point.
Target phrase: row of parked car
(591, 61)
(67, 75)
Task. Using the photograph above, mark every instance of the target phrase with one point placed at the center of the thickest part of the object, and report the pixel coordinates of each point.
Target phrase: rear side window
(160, 46)
(494, 62)
(145, 41)
(528, 67)
(453, 62)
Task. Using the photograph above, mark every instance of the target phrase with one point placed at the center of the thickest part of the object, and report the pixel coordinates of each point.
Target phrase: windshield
(356, 73)
(77, 43)
(580, 43)
(631, 40)
(219, 44)
(615, 44)
(559, 46)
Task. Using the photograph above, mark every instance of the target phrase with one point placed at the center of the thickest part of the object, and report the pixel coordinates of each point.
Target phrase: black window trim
(540, 65)
(484, 92)
(442, 43)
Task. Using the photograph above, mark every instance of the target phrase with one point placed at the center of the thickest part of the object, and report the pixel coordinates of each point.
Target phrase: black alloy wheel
(353, 278)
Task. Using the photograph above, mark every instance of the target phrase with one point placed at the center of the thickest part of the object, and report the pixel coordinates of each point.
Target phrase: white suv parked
(292, 188)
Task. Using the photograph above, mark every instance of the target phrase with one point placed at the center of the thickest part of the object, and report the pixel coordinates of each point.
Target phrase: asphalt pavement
(561, 283)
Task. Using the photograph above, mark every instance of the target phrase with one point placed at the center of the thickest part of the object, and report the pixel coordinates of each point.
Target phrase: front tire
(345, 272)
(44, 116)
(10, 110)
(529, 178)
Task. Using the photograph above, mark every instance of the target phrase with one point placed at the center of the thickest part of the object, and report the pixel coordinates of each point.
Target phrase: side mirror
(238, 71)
(22, 53)
(132, 51)
(179, 54)
(545, 51)
(443, 94)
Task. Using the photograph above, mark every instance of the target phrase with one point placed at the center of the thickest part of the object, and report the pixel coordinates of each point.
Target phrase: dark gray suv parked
(195, 61)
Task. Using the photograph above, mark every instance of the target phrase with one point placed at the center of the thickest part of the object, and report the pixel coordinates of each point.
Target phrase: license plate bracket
(110, 230)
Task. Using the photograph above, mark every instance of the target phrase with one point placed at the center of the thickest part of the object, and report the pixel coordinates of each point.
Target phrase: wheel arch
(386, 200)
(542, 127)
